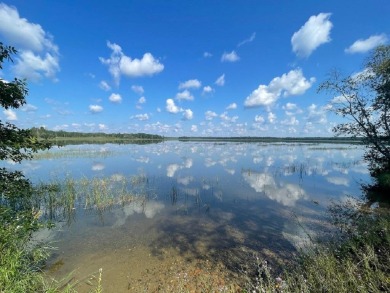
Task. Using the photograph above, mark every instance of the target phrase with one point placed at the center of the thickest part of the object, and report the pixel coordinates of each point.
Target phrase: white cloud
(192, 83)
(209, 115)
(259, 119)
(290, 107)
(32, 66)
(104, 85)
(188, 114)
(95, 108)
(142, 100)
(194, 128)
(171, 107)
(10, 115)
(292, 121)
(207, 55)
(291, 84)
(184, 95)
(207, 89)
(230, 57)
(224, 116)
(115, 98)
(220, 80)
(28, 108)
(250, 39)
(317, 115)
(271, 117)
(362, 46)
(232, 106)
(315, 32)
(142, 117)
(137, 89)
(140, 67)
(38, 55)
(120, 64)
(102, 126)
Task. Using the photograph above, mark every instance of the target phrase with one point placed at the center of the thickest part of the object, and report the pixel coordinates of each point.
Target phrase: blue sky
(197, 68)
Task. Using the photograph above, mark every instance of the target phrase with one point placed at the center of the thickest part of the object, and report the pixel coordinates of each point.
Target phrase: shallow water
(209, 209)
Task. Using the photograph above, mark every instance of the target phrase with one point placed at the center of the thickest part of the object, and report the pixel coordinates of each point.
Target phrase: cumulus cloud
(232, 106)
(184, 95)
(171, 107)
(292, 121)
(194, 128)
(104, 85)
(220, 80)
(271, 117)
(291, 84)
(230, 57)
(102, 126)
(142, 100)
(119, 64)
(115, 98)
(137, 89)
(142, 117)
(207, 89)
(38, 54)
(365, 45)
(317, 114)
(290, 107)
(10, 115)
(95, 109)
(315, 32)
(210, 115)
(192, 83)
(224, 116)
(259, 119)
(188, 114)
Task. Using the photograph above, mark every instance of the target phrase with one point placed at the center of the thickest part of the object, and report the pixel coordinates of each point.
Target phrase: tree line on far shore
(43, 133)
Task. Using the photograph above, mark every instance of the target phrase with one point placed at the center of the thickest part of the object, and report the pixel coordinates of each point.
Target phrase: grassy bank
(355, 259)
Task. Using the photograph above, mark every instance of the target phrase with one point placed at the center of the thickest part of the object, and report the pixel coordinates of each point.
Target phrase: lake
(200, 213)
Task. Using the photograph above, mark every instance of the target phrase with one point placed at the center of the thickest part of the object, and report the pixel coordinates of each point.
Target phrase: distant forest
(276, 139)
(51, 134)
(42, 133)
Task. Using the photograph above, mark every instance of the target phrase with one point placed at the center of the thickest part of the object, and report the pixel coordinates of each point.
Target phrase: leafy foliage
(19, 262)
(364, 99)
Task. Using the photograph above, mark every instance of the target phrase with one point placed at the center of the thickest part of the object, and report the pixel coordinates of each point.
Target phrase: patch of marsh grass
(60, 199)
(73, 153)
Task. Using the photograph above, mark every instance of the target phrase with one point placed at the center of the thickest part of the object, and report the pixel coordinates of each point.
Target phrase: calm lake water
(209, 208)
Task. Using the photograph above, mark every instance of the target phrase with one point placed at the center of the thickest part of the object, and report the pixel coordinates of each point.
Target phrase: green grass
(355, 260)
(73, 153)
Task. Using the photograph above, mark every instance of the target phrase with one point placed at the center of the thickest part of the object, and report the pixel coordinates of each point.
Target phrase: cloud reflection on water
(149, 208)
(286, 194)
